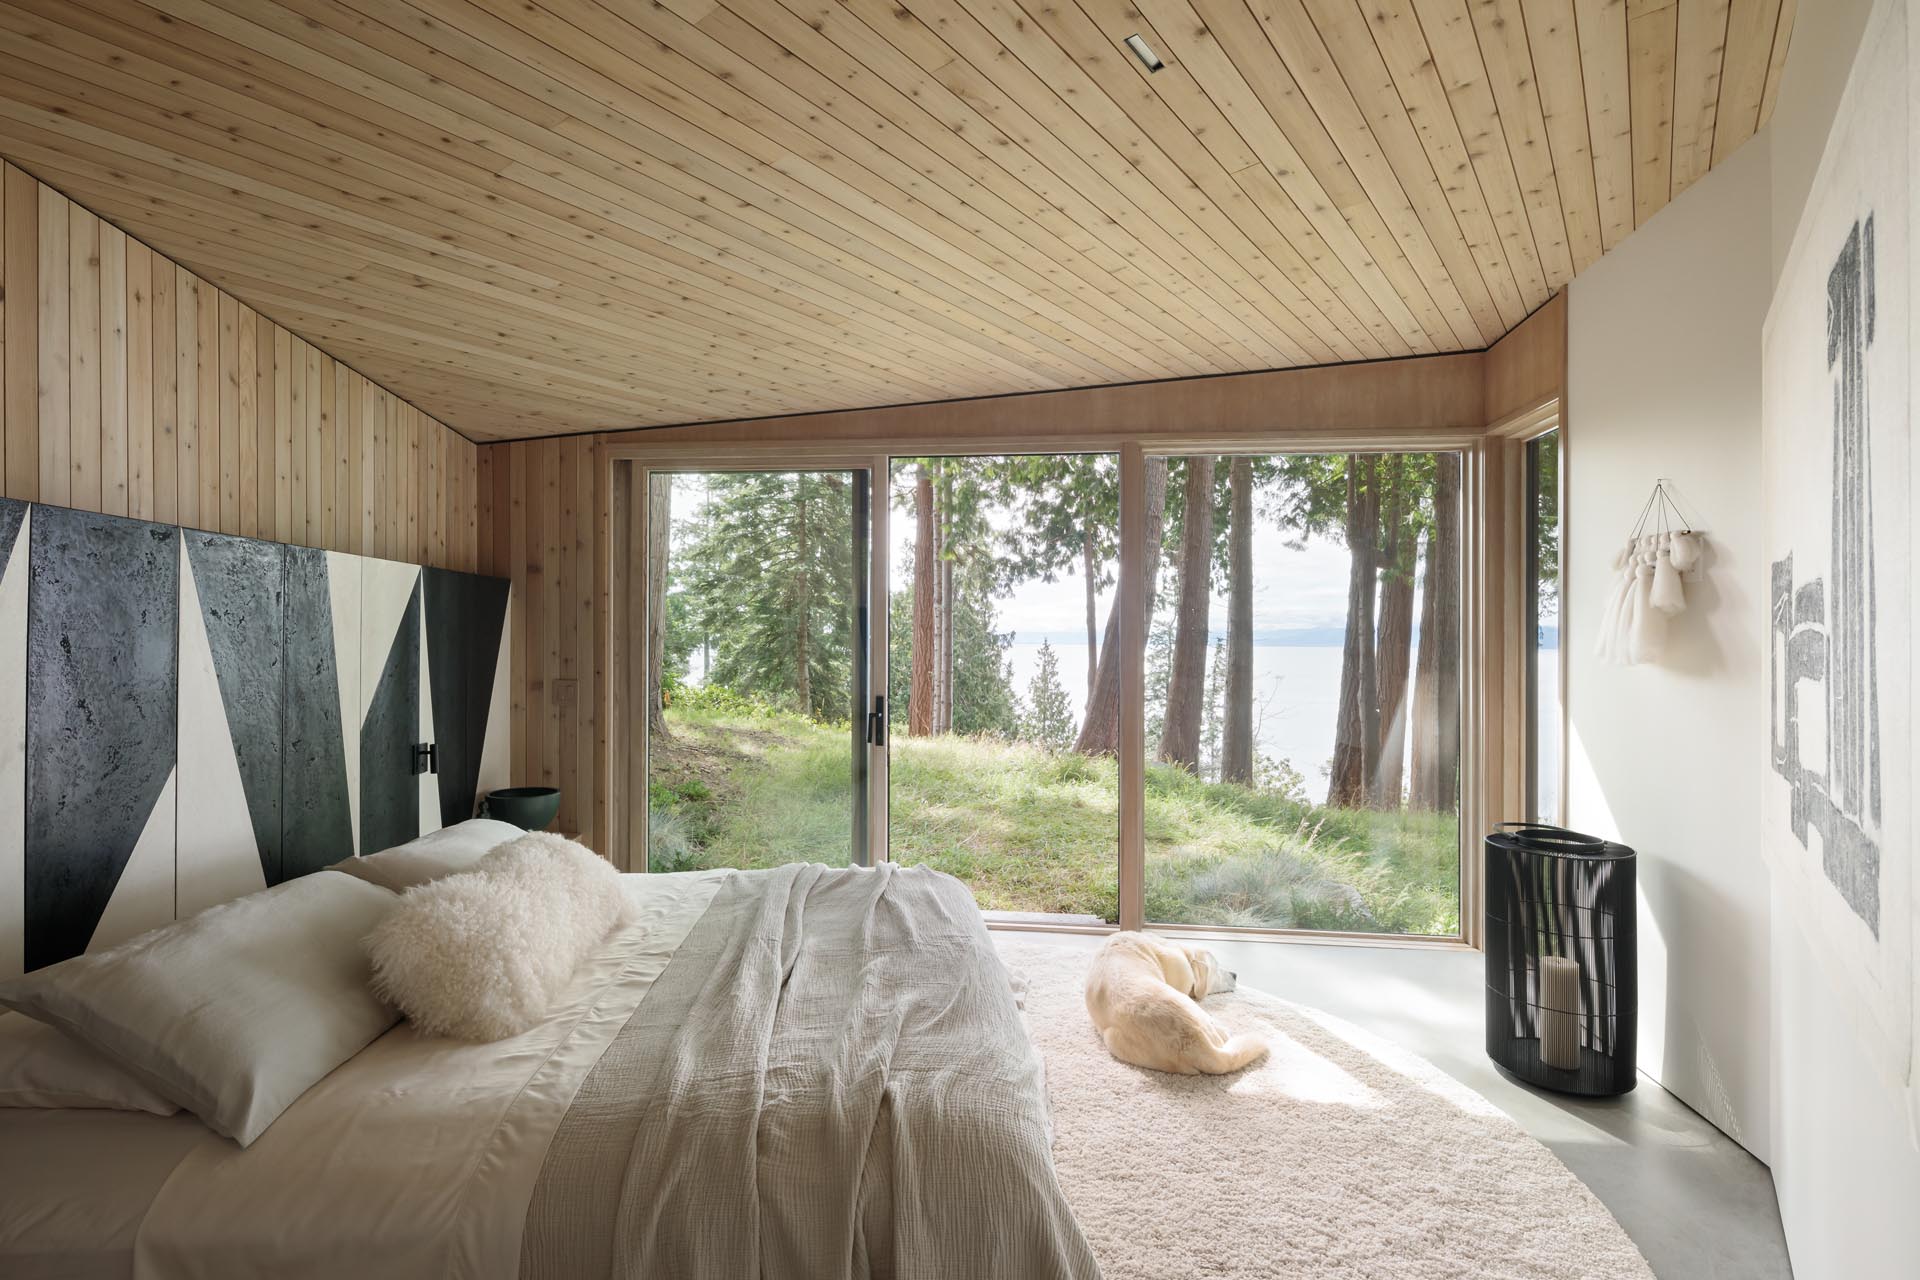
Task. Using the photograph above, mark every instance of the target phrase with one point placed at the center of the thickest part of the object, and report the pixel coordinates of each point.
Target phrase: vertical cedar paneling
(539, 509)
(331, 382)
(115, 457)
(207, 379)
(398, 481)
(186, 364)
(568, 584)
(296, 375)
(266, 429)
(339, 462)
(83, 358)
(247, 421)
(22, 407)
(286, 434)
(130, 386)
(310, 444)
(227, 316)
(55, 440)
(597, 604)
(484, 503)
(373, 444)
(166, 382)
(140, 388)
(361, 471)
(520, 458)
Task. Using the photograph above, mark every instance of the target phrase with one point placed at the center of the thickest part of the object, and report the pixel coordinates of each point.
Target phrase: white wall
(1664, 380)
(1737, 1018)
(1844, 1167)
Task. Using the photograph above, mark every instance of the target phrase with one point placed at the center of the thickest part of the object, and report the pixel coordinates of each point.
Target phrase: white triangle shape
(496, 751)
(386, 588)
(13, 755)
(219, 857)
(143, 896)
(343, 593)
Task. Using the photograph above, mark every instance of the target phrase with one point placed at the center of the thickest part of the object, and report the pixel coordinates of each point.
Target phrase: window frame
(1491, 755)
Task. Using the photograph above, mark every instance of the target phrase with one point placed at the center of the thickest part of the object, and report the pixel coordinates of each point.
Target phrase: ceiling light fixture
(1143, 51)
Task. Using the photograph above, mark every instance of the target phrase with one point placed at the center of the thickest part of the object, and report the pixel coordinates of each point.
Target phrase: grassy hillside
(1032, 830)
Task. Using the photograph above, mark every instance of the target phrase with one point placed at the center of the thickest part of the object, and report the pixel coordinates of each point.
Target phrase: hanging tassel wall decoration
(1649, 585)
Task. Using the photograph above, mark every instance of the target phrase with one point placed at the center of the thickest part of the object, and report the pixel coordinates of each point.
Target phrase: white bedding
(415, 1158)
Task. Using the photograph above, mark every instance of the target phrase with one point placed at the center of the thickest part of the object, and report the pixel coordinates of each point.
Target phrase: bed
(801, 1071)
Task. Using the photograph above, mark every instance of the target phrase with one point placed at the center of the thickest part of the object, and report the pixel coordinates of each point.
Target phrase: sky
(1293, 590)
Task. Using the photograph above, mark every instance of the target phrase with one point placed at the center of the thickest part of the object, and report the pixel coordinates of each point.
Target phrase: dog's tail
(1237, 1052)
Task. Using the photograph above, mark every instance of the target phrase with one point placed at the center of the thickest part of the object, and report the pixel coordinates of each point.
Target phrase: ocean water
(1296, 697)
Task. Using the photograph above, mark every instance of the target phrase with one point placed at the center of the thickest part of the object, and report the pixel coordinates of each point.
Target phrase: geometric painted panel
(465, 617)
(241, 585)
(316, 805)
(102, 660)
(186, 717)
(390, 728)
(15, 530)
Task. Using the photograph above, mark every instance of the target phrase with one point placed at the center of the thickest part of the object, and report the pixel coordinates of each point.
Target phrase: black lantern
(1562, 976)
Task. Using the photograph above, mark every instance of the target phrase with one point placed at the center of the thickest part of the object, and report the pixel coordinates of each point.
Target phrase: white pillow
(232, 1013)
(483, 954)
(41, 1066)
(442, 853)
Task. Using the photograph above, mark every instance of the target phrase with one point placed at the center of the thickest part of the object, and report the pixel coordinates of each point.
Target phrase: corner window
(1542, 640)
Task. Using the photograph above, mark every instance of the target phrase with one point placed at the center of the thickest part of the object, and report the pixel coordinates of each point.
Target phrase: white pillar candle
(1559, 1012)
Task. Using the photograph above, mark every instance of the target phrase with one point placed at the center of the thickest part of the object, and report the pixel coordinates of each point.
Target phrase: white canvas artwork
(1839, 777)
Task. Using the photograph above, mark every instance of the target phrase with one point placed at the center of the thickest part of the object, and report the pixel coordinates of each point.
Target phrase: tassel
(1607, 641)
(1668, 596)
(1649, 631)
(1686, 550)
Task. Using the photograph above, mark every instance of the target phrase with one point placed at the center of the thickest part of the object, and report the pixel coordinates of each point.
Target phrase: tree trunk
(1236, 748)
(659, 538)
(1436, 743)
(1425, 731)
(1394, 650)
(1100, 732)
(920, 691)
(1087, 567)
(943, 593)
(1356, 740)
(803, 603)
(1187, 681)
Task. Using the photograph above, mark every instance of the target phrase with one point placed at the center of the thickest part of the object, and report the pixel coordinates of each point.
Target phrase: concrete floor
(1698, 1205)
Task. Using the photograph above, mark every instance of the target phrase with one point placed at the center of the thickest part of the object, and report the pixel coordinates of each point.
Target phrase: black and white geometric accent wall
(186, 717)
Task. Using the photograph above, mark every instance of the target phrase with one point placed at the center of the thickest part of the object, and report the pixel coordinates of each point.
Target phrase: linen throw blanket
(829, 1079)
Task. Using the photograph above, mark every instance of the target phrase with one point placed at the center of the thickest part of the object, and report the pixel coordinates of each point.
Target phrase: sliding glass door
(1303, 691)
(1004, 680)
(757, 680)
(939, 673)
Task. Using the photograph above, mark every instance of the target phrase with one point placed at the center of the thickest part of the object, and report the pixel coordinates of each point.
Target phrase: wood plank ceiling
(532, 218)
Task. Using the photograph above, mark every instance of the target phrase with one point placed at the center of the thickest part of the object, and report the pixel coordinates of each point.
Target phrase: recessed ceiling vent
(1143, 51)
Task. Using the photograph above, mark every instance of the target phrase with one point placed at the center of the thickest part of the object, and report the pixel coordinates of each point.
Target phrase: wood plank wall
(540, 517)
(132, 387)
(543, 524)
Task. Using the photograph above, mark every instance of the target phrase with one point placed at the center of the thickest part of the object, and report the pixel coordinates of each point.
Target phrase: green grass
(736, 784)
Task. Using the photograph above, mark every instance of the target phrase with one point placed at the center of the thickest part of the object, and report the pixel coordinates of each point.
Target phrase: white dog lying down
(1143, 991)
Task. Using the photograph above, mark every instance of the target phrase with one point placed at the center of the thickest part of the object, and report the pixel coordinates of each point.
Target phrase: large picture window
(1303, 692)
(1216, 691)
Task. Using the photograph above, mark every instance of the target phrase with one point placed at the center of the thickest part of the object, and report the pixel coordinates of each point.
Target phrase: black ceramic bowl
(529, 808)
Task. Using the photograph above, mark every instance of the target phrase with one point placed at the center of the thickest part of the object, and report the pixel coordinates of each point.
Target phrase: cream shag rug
(1339, 1155)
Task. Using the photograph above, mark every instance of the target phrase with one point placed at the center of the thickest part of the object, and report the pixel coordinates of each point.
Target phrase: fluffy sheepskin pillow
(482, 955)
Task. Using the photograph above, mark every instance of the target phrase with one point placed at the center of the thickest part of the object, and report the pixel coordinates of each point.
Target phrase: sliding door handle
(877, 722)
